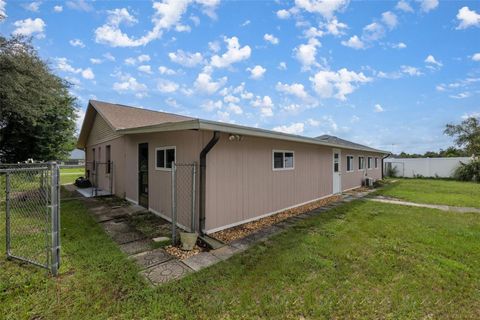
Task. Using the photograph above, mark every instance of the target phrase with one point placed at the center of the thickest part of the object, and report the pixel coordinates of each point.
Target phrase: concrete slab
(224, 252)
(151, 258)
(167, 271)
(136, 246)
(201, 260)
(90, 192)
(126, 237)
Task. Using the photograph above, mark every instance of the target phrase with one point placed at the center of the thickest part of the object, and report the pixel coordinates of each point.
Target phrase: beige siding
(117, 154)
(354, 179)
(101, 131)
(241, 184)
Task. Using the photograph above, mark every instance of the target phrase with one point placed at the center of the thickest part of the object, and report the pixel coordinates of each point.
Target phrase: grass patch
(434, 191)
(360, 260)
(68, 175)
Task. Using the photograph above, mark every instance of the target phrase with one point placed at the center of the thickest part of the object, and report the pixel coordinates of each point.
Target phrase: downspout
(383, 158)
(203, 180)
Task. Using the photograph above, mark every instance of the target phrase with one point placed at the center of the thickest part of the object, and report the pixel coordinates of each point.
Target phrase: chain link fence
(183, 197)
(31, 194)
(100, 175)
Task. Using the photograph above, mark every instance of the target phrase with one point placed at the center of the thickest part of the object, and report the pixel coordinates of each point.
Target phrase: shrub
(468, 171)
(391, 171)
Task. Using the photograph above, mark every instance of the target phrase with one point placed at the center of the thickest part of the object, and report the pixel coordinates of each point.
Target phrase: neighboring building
(245, 173)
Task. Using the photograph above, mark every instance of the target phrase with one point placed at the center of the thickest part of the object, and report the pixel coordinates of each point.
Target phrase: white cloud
(390, 19)
(88, 74)
(109, 56)
(143, 58)
(412, 71)
(427, 5)
(325, 8)
(374, 31)
(235, 108)
(399, 45)
(234, 54)
(282, 65)
(295, 89)
(32, 6)
(283, 14)
(77, 43)
(145, 68)
(440, 87)
(257, 72)
(468, 18)
(165, 70)
(167, 86)
(80, 5)
(204, 83)
(186, 59)
(58, 9)
(469, 115)
(461, 95)
(271, 38)
(3, 11)
(265, 104)
(312, 122)
(29, 27)
(211, 105)
(404, 6)
(128, 83)
(354, 42)
(167, 16)
(337, 84)
(431, 60)
(214, 46)
(131, 61)
(306, 53)
(378, 108)
(334, 27)
(64, 65)
(95, 61)
(294, 128)
(246, 23)
(354, 119)
(476, 57)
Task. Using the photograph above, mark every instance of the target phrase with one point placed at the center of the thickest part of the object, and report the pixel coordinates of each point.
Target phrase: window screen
(165, 157)
(349, 163)
(278, 160)
(283, 160)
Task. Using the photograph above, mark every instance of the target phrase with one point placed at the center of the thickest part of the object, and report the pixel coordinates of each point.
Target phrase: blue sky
(389, 74)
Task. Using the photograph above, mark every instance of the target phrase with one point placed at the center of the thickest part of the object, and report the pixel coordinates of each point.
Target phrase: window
(93, 159)
(361, 163)
(283, 160)
(369, 162)
(336, 162)
(349, 163)
(164, 157)
(108, 159)
(376, 162)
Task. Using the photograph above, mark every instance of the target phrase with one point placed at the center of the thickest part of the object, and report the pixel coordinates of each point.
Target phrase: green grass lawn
(360, 260)
(68, 175)
(435, 191)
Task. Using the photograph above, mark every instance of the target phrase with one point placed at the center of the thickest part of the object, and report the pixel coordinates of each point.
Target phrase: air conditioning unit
(368, 182)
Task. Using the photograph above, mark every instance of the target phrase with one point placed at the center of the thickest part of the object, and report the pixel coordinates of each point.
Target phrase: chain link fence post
(174, 204)
(55, 217)
(7, 212)
(192, 223)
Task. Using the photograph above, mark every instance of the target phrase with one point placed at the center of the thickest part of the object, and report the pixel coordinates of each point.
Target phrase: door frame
(139, 185)
(339, 172)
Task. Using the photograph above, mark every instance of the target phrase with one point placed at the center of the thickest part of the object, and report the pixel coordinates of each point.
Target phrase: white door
(337, 175)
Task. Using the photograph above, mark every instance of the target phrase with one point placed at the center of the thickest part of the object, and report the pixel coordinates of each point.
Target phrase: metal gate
(183, 197)
(32, 213)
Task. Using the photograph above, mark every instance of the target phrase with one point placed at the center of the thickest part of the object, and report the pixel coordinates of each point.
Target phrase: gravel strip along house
(244, 173)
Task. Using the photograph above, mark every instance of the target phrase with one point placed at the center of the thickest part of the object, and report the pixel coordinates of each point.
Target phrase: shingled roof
(344, 143)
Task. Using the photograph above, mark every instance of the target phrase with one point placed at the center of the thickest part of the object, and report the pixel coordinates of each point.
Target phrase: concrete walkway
(160, 267)
(424, 205)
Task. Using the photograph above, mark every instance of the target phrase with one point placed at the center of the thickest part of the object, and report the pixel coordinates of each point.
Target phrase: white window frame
(364, 164)
(376, 162)
(282, 151)
(165, 155)
(369, 163)
(353, 163)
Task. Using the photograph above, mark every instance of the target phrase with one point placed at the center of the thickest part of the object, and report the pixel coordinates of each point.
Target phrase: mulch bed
(244, 230)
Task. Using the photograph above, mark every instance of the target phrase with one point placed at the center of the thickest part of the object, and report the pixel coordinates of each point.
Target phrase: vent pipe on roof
(203, 180)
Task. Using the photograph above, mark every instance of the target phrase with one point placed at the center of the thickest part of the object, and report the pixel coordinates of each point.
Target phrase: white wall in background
(427, 167)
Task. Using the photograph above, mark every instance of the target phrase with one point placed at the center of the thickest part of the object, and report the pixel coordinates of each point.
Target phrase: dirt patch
(182, 254)
(244, 230)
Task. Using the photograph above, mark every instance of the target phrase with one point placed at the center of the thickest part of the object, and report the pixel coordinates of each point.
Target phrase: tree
(466, 134)
(37, 112)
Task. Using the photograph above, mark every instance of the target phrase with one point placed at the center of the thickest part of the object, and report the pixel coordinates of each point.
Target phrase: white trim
(352, 188)
(375, 162)
(131, 200)
(161, 215)
(165, 157)
(353, 163)
(264, 215)
(282, 151)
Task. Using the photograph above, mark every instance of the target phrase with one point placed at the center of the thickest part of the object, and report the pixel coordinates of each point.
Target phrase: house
(244, 173)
